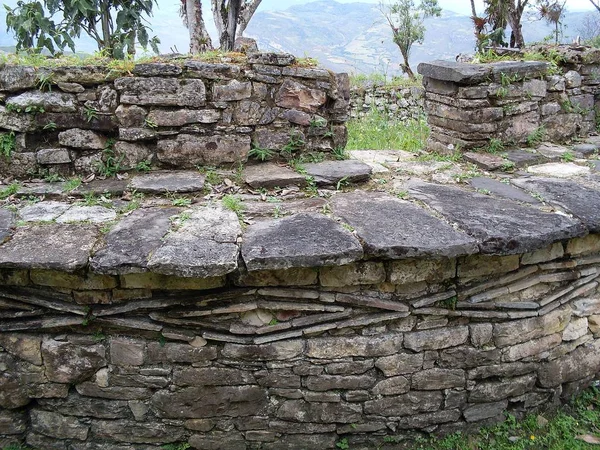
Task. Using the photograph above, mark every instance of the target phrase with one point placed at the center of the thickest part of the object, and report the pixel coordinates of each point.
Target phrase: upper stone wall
(470, 104)
(397, 102)
(179, 113)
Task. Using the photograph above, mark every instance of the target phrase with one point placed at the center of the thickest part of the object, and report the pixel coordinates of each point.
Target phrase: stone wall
(178, 113)
(302, 335)
(397, 102)
(470, 104)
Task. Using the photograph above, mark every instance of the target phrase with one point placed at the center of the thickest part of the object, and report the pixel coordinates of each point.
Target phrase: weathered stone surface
(204, 246)
(435, 379)
(127, 351)
(187, 151)
(218, 441)
(23, 346)
(211, 376)
(482, 265)
(333, 382)
(460, 73)
(273, 351)
(436, 339)
(130, 243)
(53, 156)
(294, 95)
(393, 228)
(301, 411)
(329, 173)
(400, 364)
(72, 88)
(501, 227)
(156, 69)
(417, 270)
(16, 78)
(486, 161)
(134, 432)
(76, 405)
(365, 346)
(523, 158)
(272, 58)
(179, 353)
(91, 214)
(183, 117)
(483, 411)
(317, 241)
(580, 363)
(352, 274)
(577, 328)
(212, 71)
(70, 363)
(213, 401)
(83, 139)
(137, 134)
(559, 170)
(59, 247)
(161, 91)
(515, 332)
(49, 101)
(232, 91)
(168, 182)
(405, 405)
(581, 201)
(131, 116)
(502, 190)
(147, 280)
(270, 175)
(132, 153)
(499, 390)
(7, 219)
(466, 356)
(12, 422)
(58, 426)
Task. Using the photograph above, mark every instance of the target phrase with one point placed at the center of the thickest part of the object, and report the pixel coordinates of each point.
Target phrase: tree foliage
(406, 20)
(552, 11)
(231, 18)
(115, 25)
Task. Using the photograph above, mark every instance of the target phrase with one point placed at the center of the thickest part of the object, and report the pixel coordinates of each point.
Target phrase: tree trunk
(233, 11)
(199, 37)
(246, 12)
(406, 67)
(473, 10)
(596, 4)
(515, 12)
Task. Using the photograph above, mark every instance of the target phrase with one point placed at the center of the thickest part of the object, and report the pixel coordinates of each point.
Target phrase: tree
(552, 11)
(596, 4)
(231, 18)
(590, 27)
(501, 13)
(115, 25)
(407, 23)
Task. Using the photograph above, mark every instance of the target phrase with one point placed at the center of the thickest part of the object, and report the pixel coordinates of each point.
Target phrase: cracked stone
(168, 182)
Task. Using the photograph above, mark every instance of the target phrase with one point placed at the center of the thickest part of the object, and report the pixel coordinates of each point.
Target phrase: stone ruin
(303, 320)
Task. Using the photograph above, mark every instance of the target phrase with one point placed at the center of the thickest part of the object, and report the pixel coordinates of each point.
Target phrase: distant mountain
(350, 37)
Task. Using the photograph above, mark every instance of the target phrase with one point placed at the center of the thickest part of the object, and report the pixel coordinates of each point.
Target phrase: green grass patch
(376, 131)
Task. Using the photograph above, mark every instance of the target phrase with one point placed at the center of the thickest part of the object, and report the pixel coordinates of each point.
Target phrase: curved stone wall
(373, 322)
(177, 113)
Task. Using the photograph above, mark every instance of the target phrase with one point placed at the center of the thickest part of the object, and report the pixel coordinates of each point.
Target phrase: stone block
(148, 280)
(484, 411)
(70, 363)
(481, 333)
(352, 274)
(273, 351)
(128, 431)
(362, 346)
(232, 91)
(499, 390)
(416, 270)
(437, 379)
(161, 91)
(400, 364)
(302, 411)
(436, 339)
(82, 139)
(577, 328)
(484, 265)
(211, 376)
(13, 277)
(23, 346)
(579, 364)
(392, 386)
(88, 281)
(58, 426)
(294, 95)
(218, 440)
(53, 156)
(12, 422)
(131, 116)
(405, 404)
(550, 253)
(188, 151)
(584, 245)
(127, 352)
(178, 353)
(517, 331)
(323, 383)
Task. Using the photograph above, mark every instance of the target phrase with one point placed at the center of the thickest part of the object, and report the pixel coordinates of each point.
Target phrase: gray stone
(218, 441)
(499, 390)
(91, 214)
(168, 182)
(574, 198)
(134, 432)
(392, 228)
(275, 59)
(111, 186)
(362, 346)
(76, 405)
(502, 370)
(460, 73)
(517, 331)
(579, 364)
(58, 426)
(130, 154)
(559, 170)
(70, 363)
(127, 351)
(156, 70)
(392, 386)
(14, 121)
(436, 339)
(12, 422)
(161, 91)
(131, 116)
(48, 101)
(294, 95)
(268, 175)
(179, 353)
(179, 118)
(71, 88)
(232, 91)
(273, 351)
(137, 134)
(572, 79)
(466, 356)
(323, 383)
(60, 247)
(210, 401)
(17, 78)
(349, 368)
(83, 139)
(502, 227)
(302, 411)
(130, 243)
(7, 219)
(486, 161)
(436, 379)
(211, 376)
(89, 389)
(53, 156)
(399, 364)
(502, 190)
(406, 404)
(274, 139)
(296, 441)
(23, 346)
(329, 173)
(483, 411)
(585, 149)
(523, 158)
(204, 246)
(303, 240)
(212, 71)
(188, 151)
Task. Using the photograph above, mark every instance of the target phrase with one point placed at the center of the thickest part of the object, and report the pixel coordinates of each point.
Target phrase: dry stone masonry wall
(396, 102)
(470, 104)
(173, 114)
(179, 326)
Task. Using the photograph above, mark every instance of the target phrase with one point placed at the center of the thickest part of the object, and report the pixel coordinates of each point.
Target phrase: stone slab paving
(329, 173)
(271, 175)
(552, 151)
(53, 246)
(204, 245)
(7, 219)
(303, 240)
(130, 243)
(165, 182)
(380, 156)
(393, 228)
(503, 190)
(92, 214)
(41, 189)
(500, 226)
(110, 186)
(43, 211)
(523, 158)
(559, 170)
(586, 149)
(486, 161)
(574, 198)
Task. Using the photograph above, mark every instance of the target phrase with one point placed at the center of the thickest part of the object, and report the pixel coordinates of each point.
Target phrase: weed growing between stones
(567, 157)
(90, 113)
(176, 446)
(494, 146)
(340, 153)
(111, 163)
(72, 184)
(11, 189)
(233, 203)
(7, 144)
(536, 137)
(261, 154)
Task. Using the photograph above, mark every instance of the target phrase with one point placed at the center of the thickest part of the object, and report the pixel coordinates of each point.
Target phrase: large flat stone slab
(581, 201)
(162, 182)
(502, 227)
(205, 245)
(110, 186)
(393, 228)
(93, 214)
(53, 246)
(43, 211)
(7, 219)
(503, 190)
(130, 243)
(303, 240)
(559, 170)
(523, 158)
(268, 175)
(329, 173)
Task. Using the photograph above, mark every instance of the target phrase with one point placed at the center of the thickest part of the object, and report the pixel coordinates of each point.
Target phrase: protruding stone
(49, 101)
(294, 95)
(329, 173)
(7, 219)
(436, 339)
(317, 241)
(70, 363)
(168, 182)
(188, 151)
(91, 214)
(161, 91)
(502, 190)
(269, 175)
(53, 156)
